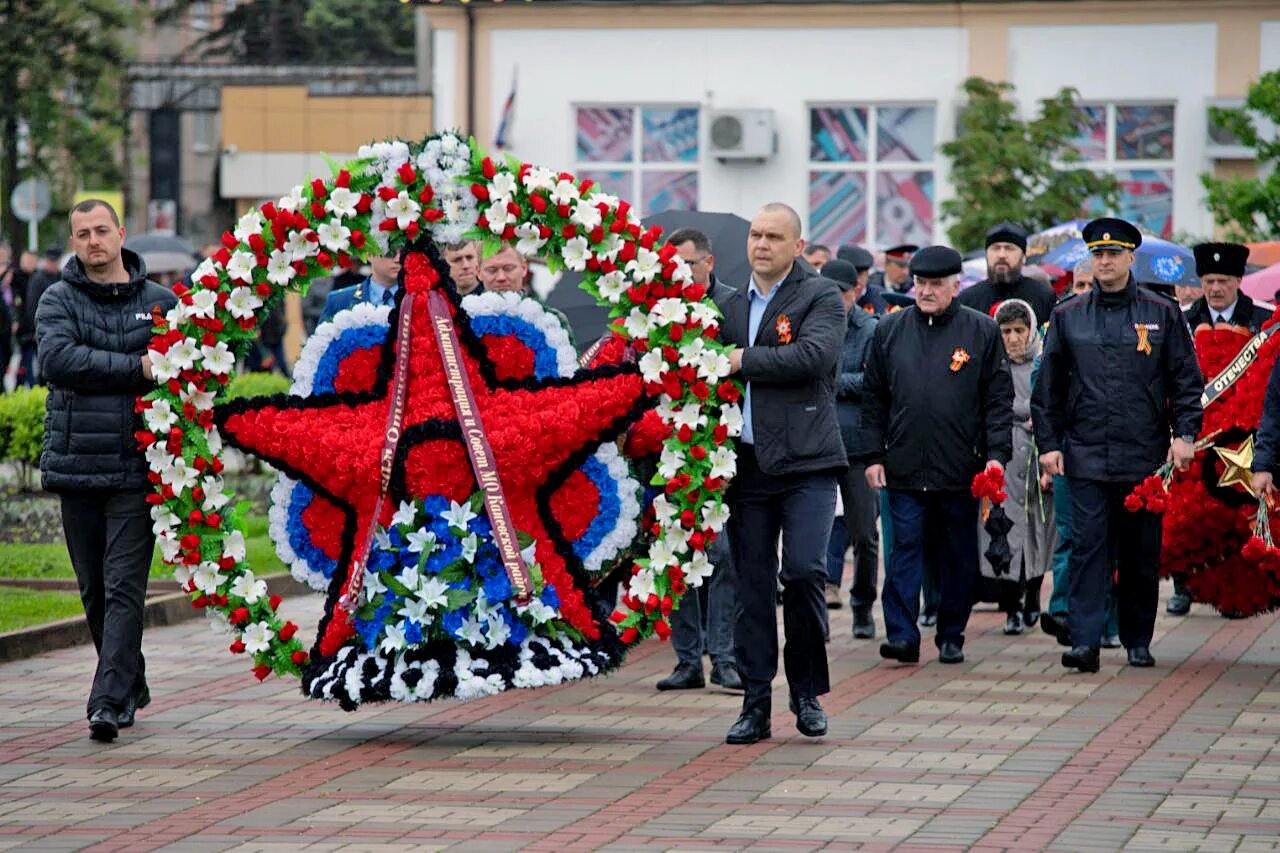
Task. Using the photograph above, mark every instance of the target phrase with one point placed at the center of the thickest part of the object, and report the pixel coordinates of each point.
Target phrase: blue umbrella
(1157, 261)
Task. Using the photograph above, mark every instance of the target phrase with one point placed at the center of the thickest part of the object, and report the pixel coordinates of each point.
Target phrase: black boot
(1141, 656)
(811, 720)
(1013, 624)
(1083, 658)
(685, 677)
(901, 651)
(864, 625)
(104, 725)
(726, 675)
(751, 726)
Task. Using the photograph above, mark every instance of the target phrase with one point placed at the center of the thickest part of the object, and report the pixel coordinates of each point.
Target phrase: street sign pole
(31, 202)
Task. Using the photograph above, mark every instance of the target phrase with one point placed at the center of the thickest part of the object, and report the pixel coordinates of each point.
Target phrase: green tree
(1249, 208)
(62, 96)
(1005, 168)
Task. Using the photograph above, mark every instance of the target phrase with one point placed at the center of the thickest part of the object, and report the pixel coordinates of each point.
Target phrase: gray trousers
(705, 618)
(110, 542)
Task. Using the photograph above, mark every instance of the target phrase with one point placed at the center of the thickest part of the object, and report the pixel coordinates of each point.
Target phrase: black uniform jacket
(791, 366)
(939, 398)
(1247, 314)
(1117, 380)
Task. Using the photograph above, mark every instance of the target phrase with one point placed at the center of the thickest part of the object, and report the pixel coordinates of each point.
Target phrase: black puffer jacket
(90, 340)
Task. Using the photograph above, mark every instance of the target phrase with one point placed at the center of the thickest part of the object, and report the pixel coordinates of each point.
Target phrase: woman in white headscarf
(1031, 540)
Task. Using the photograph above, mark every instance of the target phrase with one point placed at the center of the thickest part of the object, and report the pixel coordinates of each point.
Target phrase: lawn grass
(20, 560)
(21, 608)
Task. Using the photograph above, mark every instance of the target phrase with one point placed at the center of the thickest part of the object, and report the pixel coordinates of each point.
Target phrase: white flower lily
(207, 578)
(661, 555)
(638, 324)
(410, 577)
(528, 240)
(406, 515)
(503, 186)
(179, 477)
(458, 515)
(292, 201)
(218, 359)
(712, 365)
(715, 515)
(299, 247)
(565, 192)
(241, 266)
(204, 303)
(248, 225)
(609, 247)
(213, 438)
(169, 548)
(403, 210)
(652, 366)
(242, 303)
(670, 463)
(249, 587)
(421, 542)
(157, 457)
(470, 544)
(208, 267)
(731, 417)
(691, 352)
(498, 632)
(536, 610)
(160, 417)
(645, 266)
(704, 313)
(334, 236)
(162, 367)
(612, 285)
(540, 178)
(201, 400)
(393, 638)
(373, 585)
(471, 633)
(642, 585)
(280, 269)
(669, 310)
(664, 510)
(690, 416)
(183, 573)
(586, 215)
(164, 520)
(499, 217)
(214, 497)
(257, 638)
(434, 593)
(342, 202)
(415, 610)
(233, 546)
(575, 253)
(683, 273)
(723, 463)
(183, 354)
(698, 568)
(530, 553)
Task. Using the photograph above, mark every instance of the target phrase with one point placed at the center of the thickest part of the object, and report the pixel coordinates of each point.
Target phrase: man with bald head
(787, 325)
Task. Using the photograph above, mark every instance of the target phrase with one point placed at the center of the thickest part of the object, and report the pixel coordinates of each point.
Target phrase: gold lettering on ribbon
(1243, 361)
(483, 464)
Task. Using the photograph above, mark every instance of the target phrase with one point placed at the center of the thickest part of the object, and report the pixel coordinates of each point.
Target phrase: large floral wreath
(398, 196)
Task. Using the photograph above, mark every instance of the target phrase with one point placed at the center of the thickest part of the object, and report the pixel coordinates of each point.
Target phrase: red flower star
(539, 432)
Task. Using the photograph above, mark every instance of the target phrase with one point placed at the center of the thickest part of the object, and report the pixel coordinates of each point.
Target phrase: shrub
(257, 385)
(22, 431)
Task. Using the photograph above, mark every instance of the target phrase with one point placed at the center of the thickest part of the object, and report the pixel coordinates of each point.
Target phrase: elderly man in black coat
(940, 406)
(787, 324)
(1220, 267)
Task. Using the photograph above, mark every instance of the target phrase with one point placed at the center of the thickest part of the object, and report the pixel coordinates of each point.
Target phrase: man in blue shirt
(380, 288)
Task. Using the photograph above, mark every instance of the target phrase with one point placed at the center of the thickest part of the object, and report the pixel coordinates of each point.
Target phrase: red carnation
(239, 616)
(406, 173)
(1254, 550)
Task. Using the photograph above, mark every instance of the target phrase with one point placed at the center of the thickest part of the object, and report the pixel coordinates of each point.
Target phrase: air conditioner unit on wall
(742, 135)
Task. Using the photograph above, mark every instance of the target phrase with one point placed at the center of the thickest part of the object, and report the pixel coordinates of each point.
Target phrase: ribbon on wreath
(1244, 359)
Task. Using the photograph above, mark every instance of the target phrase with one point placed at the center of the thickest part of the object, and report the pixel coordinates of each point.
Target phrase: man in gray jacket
(92, 331)
(788, 325)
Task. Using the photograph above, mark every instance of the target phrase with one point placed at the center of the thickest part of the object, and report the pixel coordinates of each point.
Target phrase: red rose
(274, 601)
(629, 636)
(262, 671)
(406, 173)
(239, 616)
(480, 192)
(343, 179)
(662, 629)
(237, 648)
(318, 190)
(299, 657)
(287, 632)
(488, 169)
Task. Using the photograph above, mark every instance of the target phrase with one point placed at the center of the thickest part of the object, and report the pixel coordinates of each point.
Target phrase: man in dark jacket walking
(940, 406)
(1117, 394)
(92, 331)
(860, 500)
(787, 324)
(1006, 252)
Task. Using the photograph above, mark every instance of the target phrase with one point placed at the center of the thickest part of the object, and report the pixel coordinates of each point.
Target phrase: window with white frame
(1134, 142)
(647, 155)
(871, 174)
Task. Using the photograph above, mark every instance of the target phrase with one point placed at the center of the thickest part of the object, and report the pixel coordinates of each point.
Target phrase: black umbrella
(727, 233)
(164, 252)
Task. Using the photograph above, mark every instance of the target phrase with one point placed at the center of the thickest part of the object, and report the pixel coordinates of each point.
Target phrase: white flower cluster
(491, 304)
(443, 163)
(629, 494)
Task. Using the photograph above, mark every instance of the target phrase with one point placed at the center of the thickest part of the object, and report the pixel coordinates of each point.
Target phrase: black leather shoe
(1055, 627)
(1141, 656)
(1030, 617)
(901, 651)
(726, 675)
(104, 725)
(1111, 641)
(131, 707)
(1083, 658)
(751, 727)
(685, 677)
(949, 652)
(1179, 604)
(1013, 624)
(928, 620)
(864, 625)
(811, 720)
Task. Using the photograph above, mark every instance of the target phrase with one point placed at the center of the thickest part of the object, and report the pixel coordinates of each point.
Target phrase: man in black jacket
(1118, 379)
(787, 324)
(1006, 252)
(92, 331)
(1220, 267)
(940, 406)
(860, 500)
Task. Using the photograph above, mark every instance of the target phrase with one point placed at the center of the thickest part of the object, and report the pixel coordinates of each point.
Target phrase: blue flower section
(545, 364)
(371, 631)
(610, 508)
(339, 349)
(300, 537)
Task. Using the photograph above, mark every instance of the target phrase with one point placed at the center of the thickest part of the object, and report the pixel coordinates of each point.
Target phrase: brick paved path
(1004, 751)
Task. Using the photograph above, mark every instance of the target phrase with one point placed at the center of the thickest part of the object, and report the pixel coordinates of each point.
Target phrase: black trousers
(861, 507)
(110, 541)
(1105, 534)
(800, 508)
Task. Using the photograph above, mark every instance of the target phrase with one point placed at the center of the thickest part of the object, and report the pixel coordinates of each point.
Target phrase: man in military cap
(897, 275)
(1220, 267)
(939, 405)
(1006, 252)
(1118, 393)
(872, 298)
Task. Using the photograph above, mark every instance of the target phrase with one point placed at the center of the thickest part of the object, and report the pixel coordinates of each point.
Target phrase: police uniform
(901, 255)
(1225, 259)
(349, 297)
(1117, 381)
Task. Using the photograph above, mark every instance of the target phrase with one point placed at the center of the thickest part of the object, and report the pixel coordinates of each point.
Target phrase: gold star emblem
(1238, 463)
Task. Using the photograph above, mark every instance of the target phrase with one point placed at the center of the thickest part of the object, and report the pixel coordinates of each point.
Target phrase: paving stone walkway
(1005, 751)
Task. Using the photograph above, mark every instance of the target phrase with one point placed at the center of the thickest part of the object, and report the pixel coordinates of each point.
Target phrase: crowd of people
(872, 400)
